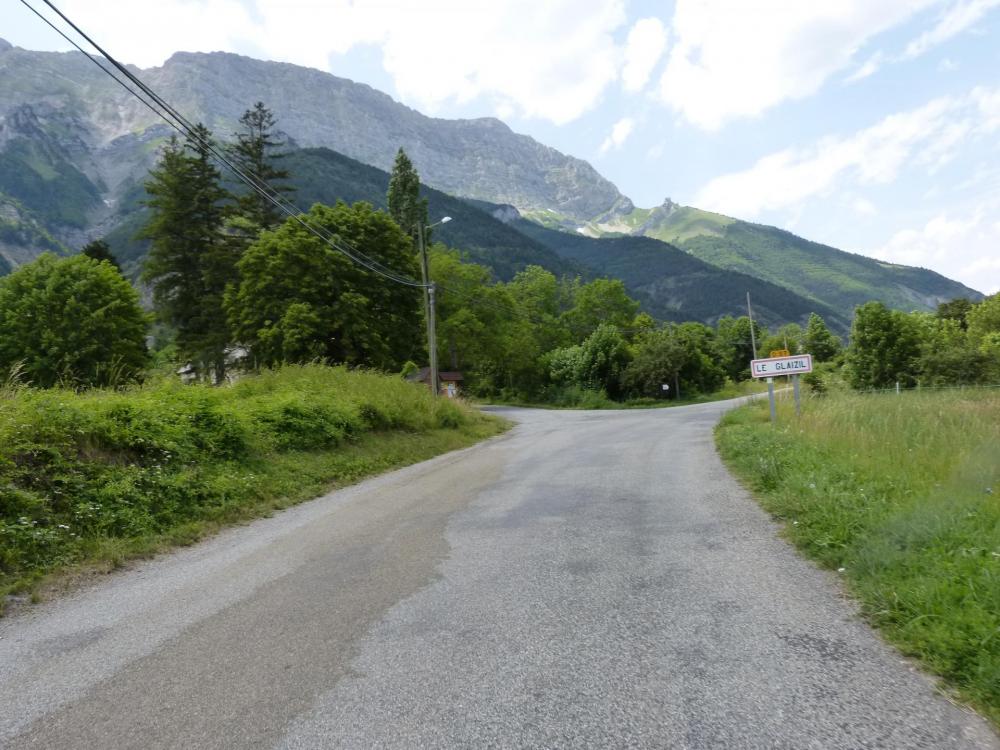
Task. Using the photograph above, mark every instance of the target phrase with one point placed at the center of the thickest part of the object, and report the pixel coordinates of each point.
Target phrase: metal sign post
(794, 365)
(770, 398)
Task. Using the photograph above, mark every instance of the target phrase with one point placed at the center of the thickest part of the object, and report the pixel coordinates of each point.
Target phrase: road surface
(590, 580)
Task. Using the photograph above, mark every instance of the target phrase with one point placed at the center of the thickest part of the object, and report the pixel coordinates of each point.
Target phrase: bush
(77, 468)
(71, 320)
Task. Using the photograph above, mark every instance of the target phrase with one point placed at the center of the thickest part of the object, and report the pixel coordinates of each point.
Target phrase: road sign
(798, 364)
(780, 353)
(666, 387)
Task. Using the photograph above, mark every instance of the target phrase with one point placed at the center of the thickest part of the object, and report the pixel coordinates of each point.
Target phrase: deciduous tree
(596, 303)
(74, 320)
(819, 341)
(884, 350)
(734, 345)
(299, 298)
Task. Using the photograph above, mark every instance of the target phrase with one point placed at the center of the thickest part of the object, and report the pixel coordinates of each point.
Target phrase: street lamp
(429, 301)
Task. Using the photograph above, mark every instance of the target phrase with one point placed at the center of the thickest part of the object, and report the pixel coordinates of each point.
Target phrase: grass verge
(91, 480)
(902, 495)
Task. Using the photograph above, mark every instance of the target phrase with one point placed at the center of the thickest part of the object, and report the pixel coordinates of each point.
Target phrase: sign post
(794, 365)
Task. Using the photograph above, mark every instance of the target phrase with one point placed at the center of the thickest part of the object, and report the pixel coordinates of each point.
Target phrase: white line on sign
(797, 364)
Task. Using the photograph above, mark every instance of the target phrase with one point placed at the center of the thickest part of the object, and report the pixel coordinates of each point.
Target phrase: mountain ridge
(75, 148)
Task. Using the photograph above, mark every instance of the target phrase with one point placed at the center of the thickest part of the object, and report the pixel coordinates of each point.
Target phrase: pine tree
(100, 250)
(190, 262)
(255, 152)
(406, 207)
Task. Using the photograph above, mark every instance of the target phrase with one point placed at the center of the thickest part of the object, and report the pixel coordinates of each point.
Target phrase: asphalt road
(590, 580)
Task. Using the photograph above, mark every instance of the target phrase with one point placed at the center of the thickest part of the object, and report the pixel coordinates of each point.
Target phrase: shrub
(78, 468)
(74, 320)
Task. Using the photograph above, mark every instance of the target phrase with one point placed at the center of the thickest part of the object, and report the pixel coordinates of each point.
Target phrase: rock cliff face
(480, 158)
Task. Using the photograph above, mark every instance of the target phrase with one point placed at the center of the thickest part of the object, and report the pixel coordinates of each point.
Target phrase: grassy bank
(91, 479)
(903, 494)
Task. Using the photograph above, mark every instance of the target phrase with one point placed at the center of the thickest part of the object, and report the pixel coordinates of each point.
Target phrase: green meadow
(901, 495)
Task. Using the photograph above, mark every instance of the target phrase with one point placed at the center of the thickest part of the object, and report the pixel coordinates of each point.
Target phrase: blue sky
(871, 125)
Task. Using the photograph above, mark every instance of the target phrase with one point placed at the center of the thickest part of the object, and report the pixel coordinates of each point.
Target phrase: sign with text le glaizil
(797, 364)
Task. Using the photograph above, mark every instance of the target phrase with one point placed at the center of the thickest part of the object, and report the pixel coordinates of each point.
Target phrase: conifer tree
(100, 250)
(256, 151)
(406, 207)
(190, 262)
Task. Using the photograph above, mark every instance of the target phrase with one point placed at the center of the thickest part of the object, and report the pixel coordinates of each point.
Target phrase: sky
(869, 125)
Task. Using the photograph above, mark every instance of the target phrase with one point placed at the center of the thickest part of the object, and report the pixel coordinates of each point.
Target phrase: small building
(449, 381)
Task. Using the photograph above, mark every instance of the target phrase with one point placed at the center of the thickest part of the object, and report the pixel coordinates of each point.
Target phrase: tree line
(237, 282)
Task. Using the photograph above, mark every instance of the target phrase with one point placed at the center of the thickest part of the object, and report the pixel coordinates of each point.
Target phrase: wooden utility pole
(432, 337)
(753, 336)
(428, 309)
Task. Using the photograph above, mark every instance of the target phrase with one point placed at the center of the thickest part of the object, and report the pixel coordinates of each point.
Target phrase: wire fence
(900, 389)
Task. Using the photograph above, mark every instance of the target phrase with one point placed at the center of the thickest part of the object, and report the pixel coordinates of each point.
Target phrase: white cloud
(956, 19)
(924, 137)
(988, 102)
(551, 60)
(732, 58)
(146, 34)
(645, 46)
(966, 247)
(869, 68)
(863, 207)
(619, 134)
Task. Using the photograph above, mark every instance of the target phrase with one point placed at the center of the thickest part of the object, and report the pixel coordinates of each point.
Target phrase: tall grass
(903, 494)
(105, 474)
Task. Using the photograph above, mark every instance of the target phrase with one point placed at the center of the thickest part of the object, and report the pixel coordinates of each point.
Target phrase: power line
(179, 123)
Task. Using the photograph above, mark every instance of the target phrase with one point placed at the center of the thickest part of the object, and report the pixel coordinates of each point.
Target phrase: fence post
(897, 387)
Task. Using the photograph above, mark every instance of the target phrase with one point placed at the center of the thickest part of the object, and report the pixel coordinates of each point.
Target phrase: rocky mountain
(75, 148)
(480, 158)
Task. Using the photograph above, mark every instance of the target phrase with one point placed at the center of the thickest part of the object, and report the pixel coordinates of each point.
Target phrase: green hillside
(22, 235)
(324, 176)
(671, 284)
(674, 224)
(837, 278)
(674, 285)
(320, 175)
(40, 178)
